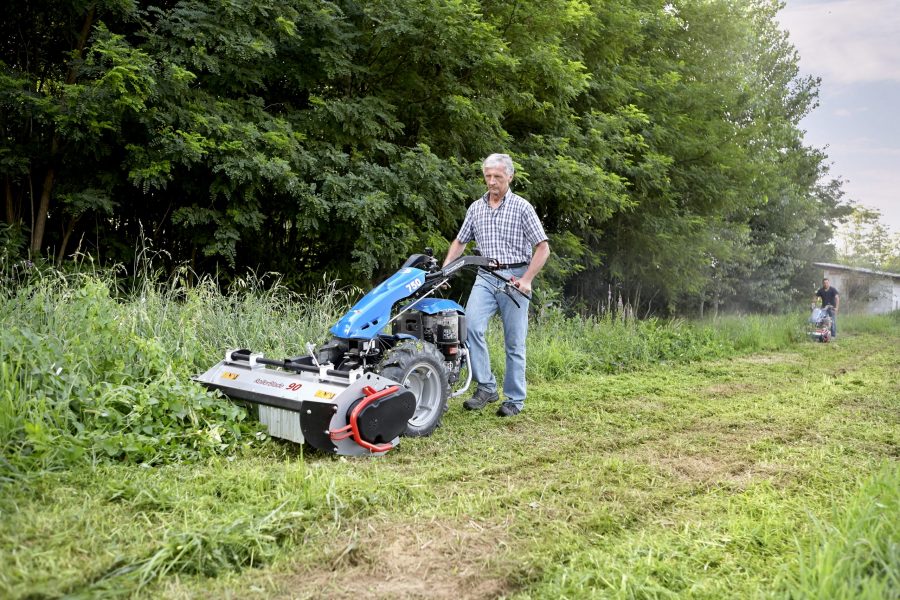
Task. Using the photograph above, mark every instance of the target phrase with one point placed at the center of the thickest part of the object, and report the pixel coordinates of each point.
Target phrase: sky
(854, 46)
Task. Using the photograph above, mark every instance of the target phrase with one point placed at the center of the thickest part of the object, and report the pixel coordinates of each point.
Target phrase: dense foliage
(658, 140)
(866, 242)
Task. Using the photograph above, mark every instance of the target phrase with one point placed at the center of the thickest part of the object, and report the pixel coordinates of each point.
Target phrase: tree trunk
(40, 223)
(65, 240)
(10, 206)
(82, 39)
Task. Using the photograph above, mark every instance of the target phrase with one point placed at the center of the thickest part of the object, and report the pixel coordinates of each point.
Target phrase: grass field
(673, 466)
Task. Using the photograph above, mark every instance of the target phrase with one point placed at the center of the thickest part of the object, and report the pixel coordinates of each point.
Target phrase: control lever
(508, 293)
(508, 285)
(311, 348)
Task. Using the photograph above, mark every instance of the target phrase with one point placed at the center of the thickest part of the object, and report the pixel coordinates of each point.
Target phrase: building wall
(865, 293)
(895, 305)
(881, 291)
(846, 286)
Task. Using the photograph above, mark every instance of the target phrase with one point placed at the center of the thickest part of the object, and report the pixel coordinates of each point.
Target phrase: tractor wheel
(419, 366)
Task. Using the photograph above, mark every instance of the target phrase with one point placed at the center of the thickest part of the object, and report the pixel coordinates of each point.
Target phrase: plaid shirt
(507, 233)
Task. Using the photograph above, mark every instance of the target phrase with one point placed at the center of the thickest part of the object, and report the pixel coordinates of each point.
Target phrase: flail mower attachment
(303, 402)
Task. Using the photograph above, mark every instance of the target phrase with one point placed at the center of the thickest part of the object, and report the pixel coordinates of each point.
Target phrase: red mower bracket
(352, 429)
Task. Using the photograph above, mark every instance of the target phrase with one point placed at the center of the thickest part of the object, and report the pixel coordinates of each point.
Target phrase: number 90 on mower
(386, 372)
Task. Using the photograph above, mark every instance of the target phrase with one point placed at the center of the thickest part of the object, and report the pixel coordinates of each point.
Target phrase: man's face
(826, 284)
(497, 181)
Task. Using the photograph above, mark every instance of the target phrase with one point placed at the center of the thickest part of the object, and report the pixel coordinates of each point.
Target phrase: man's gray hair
(499, 160)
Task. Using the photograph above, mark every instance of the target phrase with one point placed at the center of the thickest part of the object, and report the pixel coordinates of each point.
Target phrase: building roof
(857, 270)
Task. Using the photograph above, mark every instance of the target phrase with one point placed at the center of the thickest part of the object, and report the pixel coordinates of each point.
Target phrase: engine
(445, 329)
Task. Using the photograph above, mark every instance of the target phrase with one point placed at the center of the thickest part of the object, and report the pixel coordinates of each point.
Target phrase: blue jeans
(833, 316)
(485, 301)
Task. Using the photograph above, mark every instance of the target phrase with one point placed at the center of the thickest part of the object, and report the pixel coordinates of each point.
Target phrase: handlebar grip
(520, 292)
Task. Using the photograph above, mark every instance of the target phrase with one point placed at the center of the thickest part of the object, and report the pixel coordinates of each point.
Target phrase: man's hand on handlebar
(513, 287)
(523, 285)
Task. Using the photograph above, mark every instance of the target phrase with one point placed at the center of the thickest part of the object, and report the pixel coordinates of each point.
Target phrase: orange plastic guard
(352, 430)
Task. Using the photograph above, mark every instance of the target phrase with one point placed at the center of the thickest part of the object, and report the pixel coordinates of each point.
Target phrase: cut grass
(750, 476)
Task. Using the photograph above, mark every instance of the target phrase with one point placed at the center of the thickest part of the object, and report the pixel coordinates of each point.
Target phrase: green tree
(725, 176)
(867, 242)
(67, 87)
(658, 141)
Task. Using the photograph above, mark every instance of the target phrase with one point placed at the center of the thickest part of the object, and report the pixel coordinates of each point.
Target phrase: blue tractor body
(368, 317)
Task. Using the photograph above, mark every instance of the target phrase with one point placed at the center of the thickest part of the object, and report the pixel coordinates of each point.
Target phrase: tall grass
(89, 371)
(862, 323)
(560, 346)
(856, 552)
(96, 367)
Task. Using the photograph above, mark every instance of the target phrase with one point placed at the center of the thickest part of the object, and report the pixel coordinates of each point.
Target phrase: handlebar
(464, 262)
(482, 263)
(509, 286)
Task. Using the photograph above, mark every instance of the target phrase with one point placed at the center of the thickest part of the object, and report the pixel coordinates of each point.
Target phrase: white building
(864, 290)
